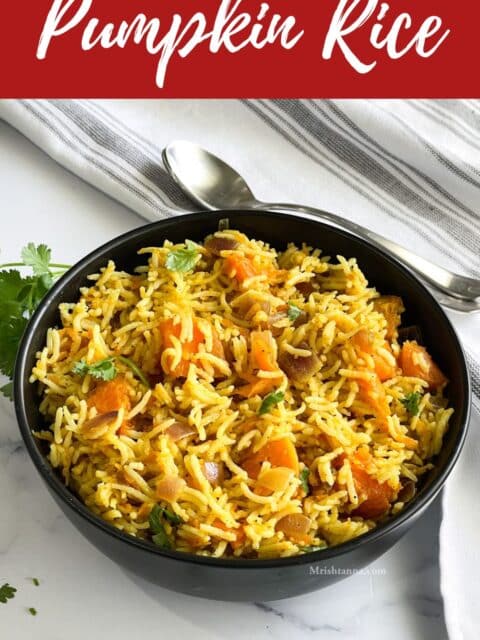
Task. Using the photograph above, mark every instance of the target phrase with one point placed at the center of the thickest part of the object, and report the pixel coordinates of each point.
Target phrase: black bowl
(248, 579)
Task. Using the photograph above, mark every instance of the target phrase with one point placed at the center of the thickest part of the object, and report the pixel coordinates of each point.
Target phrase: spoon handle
(458, 286)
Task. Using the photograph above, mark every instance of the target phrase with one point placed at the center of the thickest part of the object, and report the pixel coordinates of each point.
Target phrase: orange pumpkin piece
(110, 396)
(263, 351)
(373, 393)
(383, 368)
(415, 361)
(363, 341)
(374, 496)
(391, 307)
(262, 357)
(280, 453)
(168, 330)
(240, 267)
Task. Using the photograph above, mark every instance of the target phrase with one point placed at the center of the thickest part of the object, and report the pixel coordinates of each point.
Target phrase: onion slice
(169, 488)
(179, 430)
(214, 472)
(275, 479)
(98, 426)
(295, 526)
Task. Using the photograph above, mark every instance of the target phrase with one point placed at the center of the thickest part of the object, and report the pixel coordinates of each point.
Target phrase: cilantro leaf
(171, 517)
(155, 518)
(160, 536)
(19, 297)
(37, 257)
(270, 401)
(411, 403)
(304, 473)
(293, 312)
(101, 370)
(11, 284)
(33, 290)
(11, 331)
(7, 390)
(7, 592)
(183, 260)
(32, 611)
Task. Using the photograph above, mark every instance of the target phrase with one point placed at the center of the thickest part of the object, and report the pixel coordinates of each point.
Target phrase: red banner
(239, 48)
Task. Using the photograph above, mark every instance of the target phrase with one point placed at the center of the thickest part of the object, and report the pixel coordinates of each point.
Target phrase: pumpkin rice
(276, 418)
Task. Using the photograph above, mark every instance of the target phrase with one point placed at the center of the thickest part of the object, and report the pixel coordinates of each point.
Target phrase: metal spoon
(213, 184)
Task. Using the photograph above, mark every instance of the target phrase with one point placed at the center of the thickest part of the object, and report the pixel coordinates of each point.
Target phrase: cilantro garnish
(183, 260)
(19, 297)
(37, 257)
(172, 517)
(270, 401)
(304, 473)
(32, 611)
(7, 592)
(157, 515)
(293, 312)
(101, 370)
(411, 403)
(106, 369)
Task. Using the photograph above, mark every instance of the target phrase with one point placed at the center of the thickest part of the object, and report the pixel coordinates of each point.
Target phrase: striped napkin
(407, 169)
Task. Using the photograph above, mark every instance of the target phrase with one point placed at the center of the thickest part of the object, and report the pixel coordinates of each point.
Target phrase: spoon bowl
(208, 180)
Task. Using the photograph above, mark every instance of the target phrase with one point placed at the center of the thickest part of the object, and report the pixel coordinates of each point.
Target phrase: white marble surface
(83, 594)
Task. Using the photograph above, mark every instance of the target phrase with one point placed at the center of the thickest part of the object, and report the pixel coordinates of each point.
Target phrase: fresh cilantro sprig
(20, 295)
(183, 259)
(171, 516)
(293, 312)
(411, 402)
(156, 521)
(106, 369)
(7, 592)
(304, 480)
(270, 401)
(101, 370)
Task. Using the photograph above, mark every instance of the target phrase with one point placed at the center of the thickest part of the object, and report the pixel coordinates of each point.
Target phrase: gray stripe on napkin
(362, 178)
(459, 168)
(397, 162)
(372, 171)
(445, 119)
(39, 113)
(114, 143)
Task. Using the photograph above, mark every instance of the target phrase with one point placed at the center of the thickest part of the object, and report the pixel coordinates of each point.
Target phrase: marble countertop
(83, 594)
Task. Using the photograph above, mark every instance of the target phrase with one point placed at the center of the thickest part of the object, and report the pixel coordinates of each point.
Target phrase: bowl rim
(60, 490)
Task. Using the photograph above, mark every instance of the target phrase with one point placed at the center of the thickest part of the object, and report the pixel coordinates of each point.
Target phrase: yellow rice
(116, 472)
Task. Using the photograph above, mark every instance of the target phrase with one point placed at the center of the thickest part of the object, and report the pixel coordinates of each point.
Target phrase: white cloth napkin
(408, 169)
